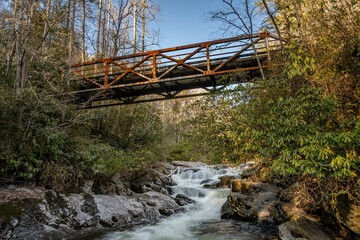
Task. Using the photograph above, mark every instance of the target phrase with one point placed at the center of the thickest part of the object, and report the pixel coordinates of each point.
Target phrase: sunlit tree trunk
(143, 22)
(97, 50)
(273, 20)
(135, 26)
(83, 27)
(104, 30)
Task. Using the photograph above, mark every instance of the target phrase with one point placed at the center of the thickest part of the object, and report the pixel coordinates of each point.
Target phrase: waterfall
(201, 220)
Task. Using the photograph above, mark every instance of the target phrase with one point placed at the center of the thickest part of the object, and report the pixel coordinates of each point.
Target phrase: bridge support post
(154, 66)
(106, 77)
(208, 57)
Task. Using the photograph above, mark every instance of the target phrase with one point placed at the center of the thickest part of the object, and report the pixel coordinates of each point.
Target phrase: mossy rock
(242, 186)
(11, 210)
(16, 209)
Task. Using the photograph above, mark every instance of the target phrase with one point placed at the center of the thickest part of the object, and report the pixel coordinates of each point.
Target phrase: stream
(201, 220)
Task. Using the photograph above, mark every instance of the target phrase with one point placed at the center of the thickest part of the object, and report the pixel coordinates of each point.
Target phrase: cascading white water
(205, 210)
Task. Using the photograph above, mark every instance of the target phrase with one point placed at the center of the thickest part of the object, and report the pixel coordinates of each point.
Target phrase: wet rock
(225, 182)
(207, 181)
(213, 185)
(183, 200)
(161, 203)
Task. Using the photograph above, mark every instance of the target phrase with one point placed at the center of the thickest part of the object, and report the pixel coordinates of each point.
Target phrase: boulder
(253, 202)
(238, 206)
(225, 181)
(212, 185)
(242, 186)
(31, 213)
(300, 225)
(301, 229)
(348, 216)
(183, 200)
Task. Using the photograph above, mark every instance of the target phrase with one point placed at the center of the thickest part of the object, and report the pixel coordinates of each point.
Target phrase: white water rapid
(201, 220)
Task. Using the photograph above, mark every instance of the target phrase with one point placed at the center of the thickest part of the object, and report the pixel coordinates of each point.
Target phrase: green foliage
(128, 127)
(106, 160)
(303, 123)
(38, 136)
(51, 143)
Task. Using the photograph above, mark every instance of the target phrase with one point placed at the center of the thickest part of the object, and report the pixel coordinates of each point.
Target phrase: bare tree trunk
(10, 54)
(106, 37)
(24, 31)
(135, 26)
(249, 13)
(143, 22)
(98, 30)
(104, 30)
(272, 19)
(69, 14)
(71, 34)
(46, 25)
(83, 50)
(18, 14)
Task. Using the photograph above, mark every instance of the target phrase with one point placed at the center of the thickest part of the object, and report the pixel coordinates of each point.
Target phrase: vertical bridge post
(106, 73)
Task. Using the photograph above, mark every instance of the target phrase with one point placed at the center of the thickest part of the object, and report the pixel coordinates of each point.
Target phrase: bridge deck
(163, 74)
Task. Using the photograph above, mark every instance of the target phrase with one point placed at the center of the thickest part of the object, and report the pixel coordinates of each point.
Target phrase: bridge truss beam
(165, 73)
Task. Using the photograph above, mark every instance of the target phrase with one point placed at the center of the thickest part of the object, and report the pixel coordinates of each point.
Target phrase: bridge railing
(170, 64)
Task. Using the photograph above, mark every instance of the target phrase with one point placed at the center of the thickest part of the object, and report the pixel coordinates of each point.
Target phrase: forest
(301, 121)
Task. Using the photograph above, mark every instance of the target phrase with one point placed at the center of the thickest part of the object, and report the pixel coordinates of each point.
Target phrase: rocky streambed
(178, 201)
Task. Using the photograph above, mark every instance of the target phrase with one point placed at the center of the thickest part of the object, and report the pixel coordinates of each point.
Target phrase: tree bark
(143, 22)
(83, 50)
(46, 25)
(18, 14)
(272, 19)
(98, 30)
(135, 26)
(71, 34)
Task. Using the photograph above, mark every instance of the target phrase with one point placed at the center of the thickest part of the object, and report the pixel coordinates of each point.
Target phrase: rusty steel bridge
(166, 73)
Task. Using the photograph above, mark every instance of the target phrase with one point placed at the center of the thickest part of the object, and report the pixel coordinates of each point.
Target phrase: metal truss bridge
(167, 73)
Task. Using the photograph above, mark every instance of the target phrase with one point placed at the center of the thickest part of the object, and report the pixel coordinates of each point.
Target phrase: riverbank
(37, 213)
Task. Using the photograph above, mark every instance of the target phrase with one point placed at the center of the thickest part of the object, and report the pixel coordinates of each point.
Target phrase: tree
(240, 16)
(303, 121)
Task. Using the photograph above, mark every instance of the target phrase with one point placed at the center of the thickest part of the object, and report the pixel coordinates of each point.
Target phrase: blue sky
(185, 21)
